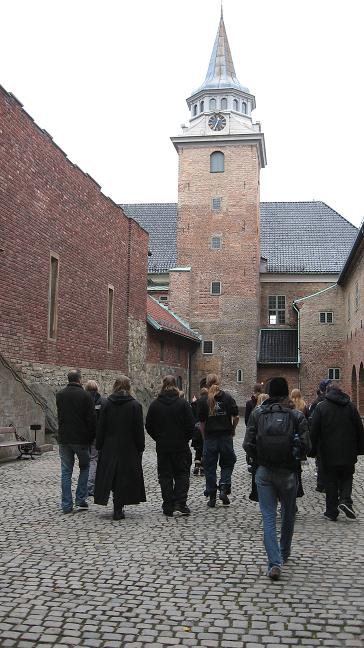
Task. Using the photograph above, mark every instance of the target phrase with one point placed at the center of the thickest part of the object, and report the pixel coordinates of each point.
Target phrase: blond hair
(298, 401)
(122, 384)
(213, 386)
(261, 398)
(92, 385)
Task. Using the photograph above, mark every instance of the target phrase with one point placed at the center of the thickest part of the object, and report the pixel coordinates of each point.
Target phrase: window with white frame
(326, 317)
(215, 287)
(163, 298)
(207, 347)
(334, 374)
(244, 107)
(217, 162)
(202, 106)
(236, 104)
(216, 242)
(216, 204)
(212, 104)
(223, 103)
(276, 309)
(195, 109)
(239, 376)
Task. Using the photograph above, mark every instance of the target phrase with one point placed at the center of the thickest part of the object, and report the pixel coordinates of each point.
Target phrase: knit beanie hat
(278, 388)
(323, 384)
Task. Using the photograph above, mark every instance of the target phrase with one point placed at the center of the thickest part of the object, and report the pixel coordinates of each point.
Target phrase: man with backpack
(277, 437)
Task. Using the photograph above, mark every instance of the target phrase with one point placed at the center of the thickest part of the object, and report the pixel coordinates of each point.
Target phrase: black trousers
(174, 477)
(338, 484)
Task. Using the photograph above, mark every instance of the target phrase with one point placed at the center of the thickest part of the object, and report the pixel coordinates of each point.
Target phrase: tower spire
(221, 72)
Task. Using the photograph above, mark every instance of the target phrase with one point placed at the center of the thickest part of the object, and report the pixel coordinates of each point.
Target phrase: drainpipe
(298, 343)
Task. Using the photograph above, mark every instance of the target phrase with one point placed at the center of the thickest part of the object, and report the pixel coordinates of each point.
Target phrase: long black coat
(336, 430)
(120, 441)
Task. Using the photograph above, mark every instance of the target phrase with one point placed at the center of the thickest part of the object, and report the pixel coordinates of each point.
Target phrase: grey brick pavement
(148, 581)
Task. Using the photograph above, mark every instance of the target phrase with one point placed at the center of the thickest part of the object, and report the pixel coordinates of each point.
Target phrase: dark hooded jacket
(299, 424)
(337, 430)
(120, 441)
(249, 406)
(76, 415)
(170, 422)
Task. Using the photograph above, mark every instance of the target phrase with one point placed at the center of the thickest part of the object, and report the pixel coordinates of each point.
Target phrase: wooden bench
(26, 448)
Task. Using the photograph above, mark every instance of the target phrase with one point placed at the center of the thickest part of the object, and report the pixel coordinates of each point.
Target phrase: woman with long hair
(218, 415)
(299, 403)
(120, 442)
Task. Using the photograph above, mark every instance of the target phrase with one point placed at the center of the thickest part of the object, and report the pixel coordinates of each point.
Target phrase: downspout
(298, 343)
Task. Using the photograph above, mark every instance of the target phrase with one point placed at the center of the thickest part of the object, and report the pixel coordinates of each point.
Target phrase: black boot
(197, 467)
(118, 514)
(212, 500)
(223, 496)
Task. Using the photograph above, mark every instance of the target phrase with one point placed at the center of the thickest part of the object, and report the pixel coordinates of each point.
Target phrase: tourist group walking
(107, 437)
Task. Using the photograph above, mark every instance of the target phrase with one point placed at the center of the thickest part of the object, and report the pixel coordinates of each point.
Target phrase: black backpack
(275, 436)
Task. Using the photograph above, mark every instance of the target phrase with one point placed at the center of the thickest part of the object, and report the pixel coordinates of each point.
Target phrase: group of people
(107, 436)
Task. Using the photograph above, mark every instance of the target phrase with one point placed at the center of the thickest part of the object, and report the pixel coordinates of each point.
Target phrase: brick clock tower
(216, 284)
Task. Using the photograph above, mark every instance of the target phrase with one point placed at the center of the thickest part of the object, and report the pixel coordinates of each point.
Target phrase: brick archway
(361, 390)
(354, 386)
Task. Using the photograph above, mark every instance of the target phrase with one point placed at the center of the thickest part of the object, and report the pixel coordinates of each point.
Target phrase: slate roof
(296, 237)
(278, 346)
(160, 221)
(304, 237)
(161, 318)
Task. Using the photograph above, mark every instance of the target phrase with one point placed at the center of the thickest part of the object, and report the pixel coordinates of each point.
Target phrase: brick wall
(353, 376)
(49, 206)
(291, 291)
(175, 358)
(287, 372)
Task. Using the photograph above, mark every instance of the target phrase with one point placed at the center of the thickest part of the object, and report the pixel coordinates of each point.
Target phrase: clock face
(217, 122)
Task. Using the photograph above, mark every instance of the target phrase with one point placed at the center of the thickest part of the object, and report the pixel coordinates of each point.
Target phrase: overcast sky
(108, 79)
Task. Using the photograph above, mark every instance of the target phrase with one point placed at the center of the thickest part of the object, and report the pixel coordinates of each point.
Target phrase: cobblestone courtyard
(83, 580)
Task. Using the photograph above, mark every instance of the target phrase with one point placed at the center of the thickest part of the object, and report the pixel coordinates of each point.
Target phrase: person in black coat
(170, 423)
(76, 431)
(252, 403)
(320, 396)
(197, 439)
(337, 430)
(99, 401)
(120, 442)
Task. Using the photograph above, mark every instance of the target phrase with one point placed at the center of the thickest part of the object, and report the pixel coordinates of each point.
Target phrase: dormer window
(224, 103)
(244, 107)
(212, 104)
(202, 106)
(236, 104)
(195, 110)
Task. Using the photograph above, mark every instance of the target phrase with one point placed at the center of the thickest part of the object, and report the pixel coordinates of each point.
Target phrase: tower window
(202, 106)
(110, 317)
(276, 309)
(216, 204)
(216, 242)
(217, 162)
(212, 104)
(195, 109)
(207, 347)
(53, 297)
(327, 318)
(239, 376)
(236, 104)
(223, 103)
(244, 107)
(216, 288)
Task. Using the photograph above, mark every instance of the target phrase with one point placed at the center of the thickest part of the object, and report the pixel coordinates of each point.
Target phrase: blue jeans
(67, 454)
(218, 449)
(274, 486)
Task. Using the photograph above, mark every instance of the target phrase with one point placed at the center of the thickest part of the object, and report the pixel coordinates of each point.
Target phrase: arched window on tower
(236, 104)
(217, 162)
(202, 106)
(212, 104)
(244, 107)
(223, 103)
(195, 110)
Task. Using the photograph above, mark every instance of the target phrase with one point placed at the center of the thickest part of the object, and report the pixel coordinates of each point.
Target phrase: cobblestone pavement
(150, 581)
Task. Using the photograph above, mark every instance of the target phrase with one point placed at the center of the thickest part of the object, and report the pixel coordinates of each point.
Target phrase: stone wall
(19, 407)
